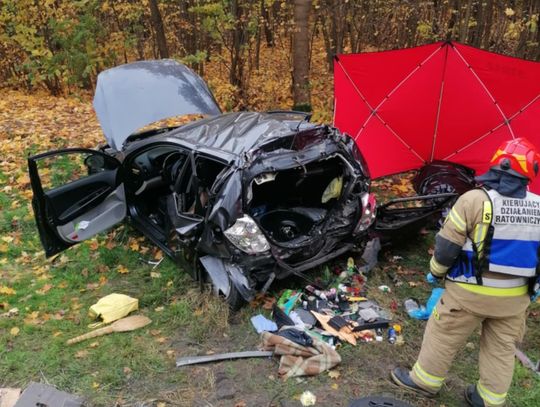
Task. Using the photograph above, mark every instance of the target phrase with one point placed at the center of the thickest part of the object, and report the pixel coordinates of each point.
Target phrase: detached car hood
(134, 95)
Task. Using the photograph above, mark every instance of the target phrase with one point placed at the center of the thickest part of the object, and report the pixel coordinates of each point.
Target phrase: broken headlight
(246, 235)
(369, 213)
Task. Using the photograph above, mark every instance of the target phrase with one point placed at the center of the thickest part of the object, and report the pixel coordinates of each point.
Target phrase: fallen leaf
(159, 309)
(334, 386)
(95, 385)
(127, 370)
(93, 345)
(43, 290)
(334, 374)
(161, 339)
(93, 244)
(7, 291)
(57, 334)
(413, 283)
(122, 269)
(134, 245)
(171, 353)
(14, 331)
(155, 332)
(154, 274)
(81, 354)
(92, 286)
(169, 283)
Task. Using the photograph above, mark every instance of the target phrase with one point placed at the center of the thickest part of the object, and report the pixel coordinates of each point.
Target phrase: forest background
(255, 54)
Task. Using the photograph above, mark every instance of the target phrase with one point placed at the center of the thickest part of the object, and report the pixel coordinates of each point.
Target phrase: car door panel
(109, 212)
(82, 205)
(71, 200)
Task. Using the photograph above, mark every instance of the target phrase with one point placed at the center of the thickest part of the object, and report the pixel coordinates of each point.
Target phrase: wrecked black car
(238, 199)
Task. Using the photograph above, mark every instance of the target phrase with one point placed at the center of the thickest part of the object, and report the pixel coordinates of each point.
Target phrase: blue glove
(431, 279)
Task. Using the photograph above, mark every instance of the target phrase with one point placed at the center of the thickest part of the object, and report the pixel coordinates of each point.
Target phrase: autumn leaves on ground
(52, 300)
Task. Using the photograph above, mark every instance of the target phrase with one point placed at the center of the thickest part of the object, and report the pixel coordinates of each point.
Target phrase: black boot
(401, 377)
(472, 397)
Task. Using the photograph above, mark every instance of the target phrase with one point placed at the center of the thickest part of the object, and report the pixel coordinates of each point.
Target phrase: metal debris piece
(193, 360)
(523, 358)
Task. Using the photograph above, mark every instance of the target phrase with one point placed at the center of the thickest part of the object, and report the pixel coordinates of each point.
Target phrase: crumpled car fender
(223, 273)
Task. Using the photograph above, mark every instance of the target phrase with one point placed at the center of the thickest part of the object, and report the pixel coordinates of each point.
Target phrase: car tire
(234, 299)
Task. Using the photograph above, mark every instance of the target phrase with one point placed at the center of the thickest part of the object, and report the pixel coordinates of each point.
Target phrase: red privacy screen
(442, 101)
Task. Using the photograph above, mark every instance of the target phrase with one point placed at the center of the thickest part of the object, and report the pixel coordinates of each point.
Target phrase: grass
(138, 368)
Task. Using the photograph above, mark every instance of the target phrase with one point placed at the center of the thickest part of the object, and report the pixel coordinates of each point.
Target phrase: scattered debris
(123, 325)
(298, 360)
(261, 324)
(308, 398)
(39, 394)
(193, 360)
(523, 358)
(370, 255)
(112, 307)
(421, 312)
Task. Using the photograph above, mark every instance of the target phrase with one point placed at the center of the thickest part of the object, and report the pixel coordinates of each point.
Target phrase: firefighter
(487, 251)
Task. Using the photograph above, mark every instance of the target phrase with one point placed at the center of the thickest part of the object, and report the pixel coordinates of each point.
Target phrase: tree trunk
(454, 9)
(157, 23)
(269, 35)
(486, 34)
(300, 51)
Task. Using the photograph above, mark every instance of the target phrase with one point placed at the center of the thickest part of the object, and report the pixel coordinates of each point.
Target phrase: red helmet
(517, 157)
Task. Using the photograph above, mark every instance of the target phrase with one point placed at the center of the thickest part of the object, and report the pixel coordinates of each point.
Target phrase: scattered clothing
(297, 360)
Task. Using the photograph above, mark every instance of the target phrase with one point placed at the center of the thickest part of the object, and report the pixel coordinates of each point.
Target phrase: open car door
(78, 193)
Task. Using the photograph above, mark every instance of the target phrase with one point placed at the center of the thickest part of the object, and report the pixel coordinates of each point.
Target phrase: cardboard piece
(9, 396)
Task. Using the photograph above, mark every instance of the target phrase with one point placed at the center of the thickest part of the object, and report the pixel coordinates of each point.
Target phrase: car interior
(170, 188)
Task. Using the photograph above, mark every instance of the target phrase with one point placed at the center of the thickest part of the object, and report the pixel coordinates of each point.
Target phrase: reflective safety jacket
(505, 242)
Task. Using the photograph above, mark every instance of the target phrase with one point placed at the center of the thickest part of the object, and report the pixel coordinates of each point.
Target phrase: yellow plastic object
(333, 190)
(113, 307)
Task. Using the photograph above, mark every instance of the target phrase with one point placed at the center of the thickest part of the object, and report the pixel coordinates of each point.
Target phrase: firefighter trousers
(447, 331)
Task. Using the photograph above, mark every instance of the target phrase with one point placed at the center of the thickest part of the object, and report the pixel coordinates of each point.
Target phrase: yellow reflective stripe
(486, 213)
(480, 232)
(495, 291)
(457, 220)
(426, 378)
(491, 397)
(437, 268)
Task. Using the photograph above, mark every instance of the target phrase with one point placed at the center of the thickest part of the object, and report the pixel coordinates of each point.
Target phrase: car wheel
(234, 299)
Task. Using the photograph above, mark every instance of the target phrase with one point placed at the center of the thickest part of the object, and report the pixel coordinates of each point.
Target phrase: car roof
(238, 132)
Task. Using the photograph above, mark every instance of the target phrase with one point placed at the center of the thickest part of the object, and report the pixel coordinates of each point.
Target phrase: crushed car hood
(134, 95)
